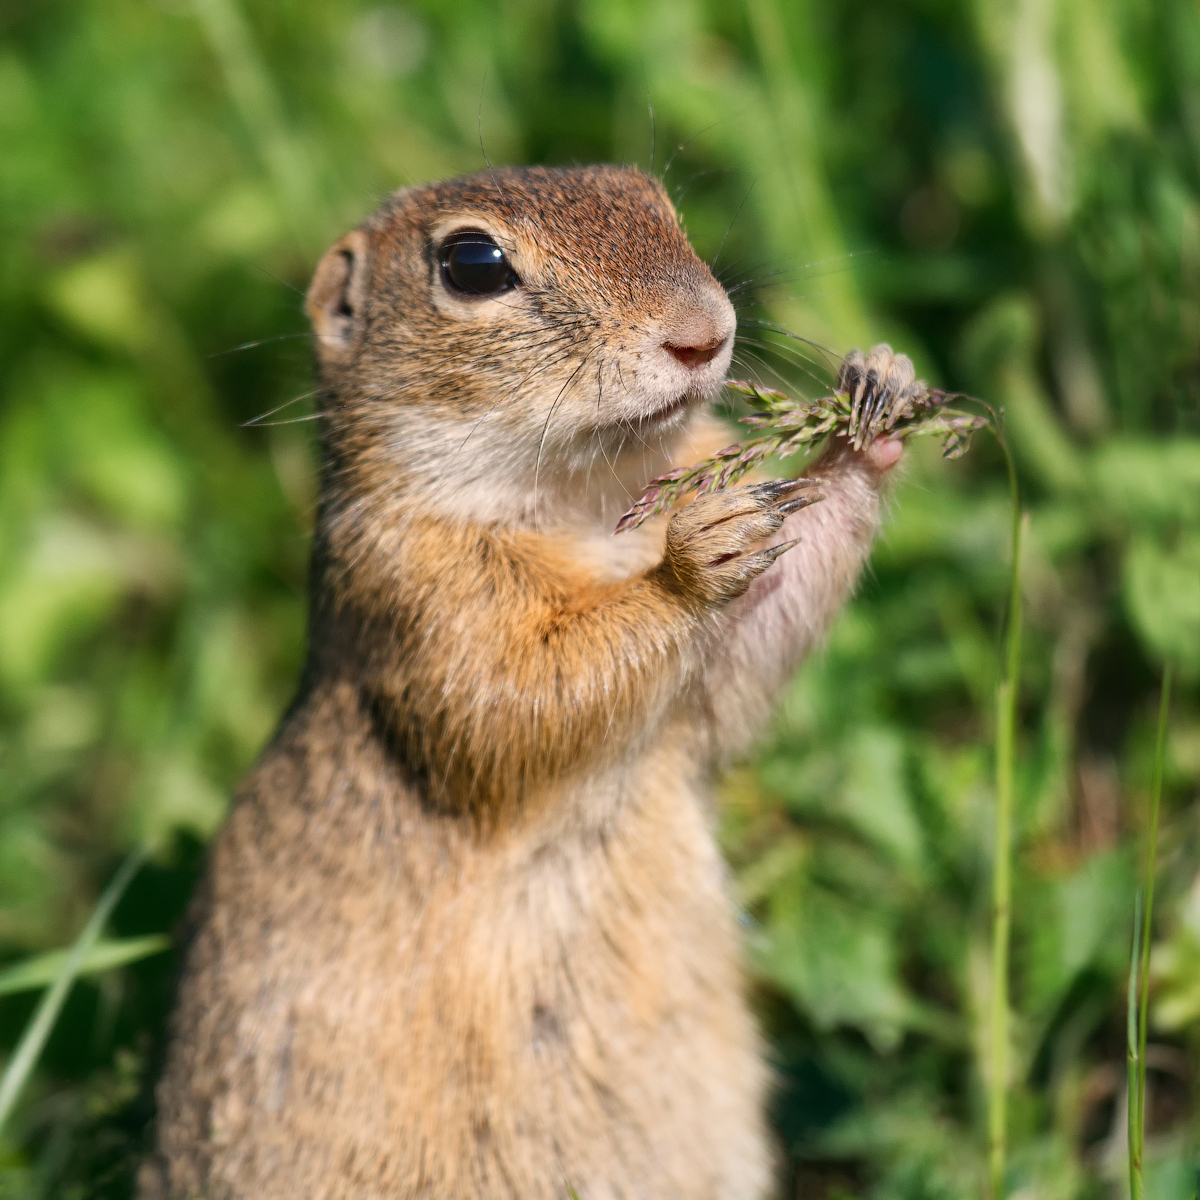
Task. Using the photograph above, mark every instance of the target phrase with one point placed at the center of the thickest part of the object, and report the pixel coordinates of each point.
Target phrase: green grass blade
(28, 1050)
(1132, 1056)
(44, 969)
(1006, 721)
(1141, 965)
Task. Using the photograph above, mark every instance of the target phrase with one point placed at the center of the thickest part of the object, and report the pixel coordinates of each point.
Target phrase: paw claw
(713, 546)
(772, 489)
(776, 551)
(797, 504)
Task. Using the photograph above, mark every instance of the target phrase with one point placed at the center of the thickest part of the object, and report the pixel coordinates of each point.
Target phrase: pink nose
(695, 356)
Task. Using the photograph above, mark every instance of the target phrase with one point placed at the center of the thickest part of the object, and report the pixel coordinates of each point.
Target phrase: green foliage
(1007, 192)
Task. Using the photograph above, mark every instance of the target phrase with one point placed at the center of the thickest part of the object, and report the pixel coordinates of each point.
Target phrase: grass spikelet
(877, 395)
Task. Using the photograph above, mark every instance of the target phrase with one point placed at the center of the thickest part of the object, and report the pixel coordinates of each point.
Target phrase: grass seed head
(877, 395)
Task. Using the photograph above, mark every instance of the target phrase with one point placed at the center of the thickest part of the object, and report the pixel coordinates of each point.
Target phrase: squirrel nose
(695, 355)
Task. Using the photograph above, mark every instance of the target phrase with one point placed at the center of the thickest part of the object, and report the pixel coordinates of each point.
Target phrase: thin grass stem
(33, 1040)
(1006, 721)
(1133, 1056)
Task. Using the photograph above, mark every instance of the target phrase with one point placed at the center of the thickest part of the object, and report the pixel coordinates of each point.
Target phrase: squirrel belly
(438, 1014)
(467, 932)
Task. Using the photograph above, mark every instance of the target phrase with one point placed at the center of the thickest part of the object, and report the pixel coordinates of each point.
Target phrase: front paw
(710, 556)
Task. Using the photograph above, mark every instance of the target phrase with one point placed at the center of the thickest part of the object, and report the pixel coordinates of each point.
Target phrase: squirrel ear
(335, 297)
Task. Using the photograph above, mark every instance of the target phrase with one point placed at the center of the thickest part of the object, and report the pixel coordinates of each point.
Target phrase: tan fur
(466, 931)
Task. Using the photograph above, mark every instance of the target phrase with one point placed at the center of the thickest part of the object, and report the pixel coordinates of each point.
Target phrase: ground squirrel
(466, 932)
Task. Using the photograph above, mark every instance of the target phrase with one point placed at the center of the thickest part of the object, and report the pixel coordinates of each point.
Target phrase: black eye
(474, 264)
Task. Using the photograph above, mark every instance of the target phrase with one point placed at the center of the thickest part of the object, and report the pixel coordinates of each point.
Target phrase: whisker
(816, 369)
(292, 420)
(283, 337)
(545, 427)
(835, 265)
(699, 133)
(766, 366)
(261, 418)
(729, 227)
(812, 372)
(511, 390)
(282, 282)
(599, 434)
(682, 190)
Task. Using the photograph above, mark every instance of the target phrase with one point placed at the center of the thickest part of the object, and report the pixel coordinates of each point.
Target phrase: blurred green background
(1008, 190)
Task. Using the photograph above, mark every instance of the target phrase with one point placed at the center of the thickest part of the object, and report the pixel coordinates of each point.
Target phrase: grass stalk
(1133, 1057)
(33, 1040)
(257, 101)
(1006, 722)
(1139, 962)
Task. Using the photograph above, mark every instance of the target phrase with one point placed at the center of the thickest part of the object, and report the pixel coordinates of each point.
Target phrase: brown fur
(466, 931)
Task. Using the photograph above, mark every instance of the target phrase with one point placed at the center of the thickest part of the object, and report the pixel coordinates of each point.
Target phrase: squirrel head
(516, 343)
